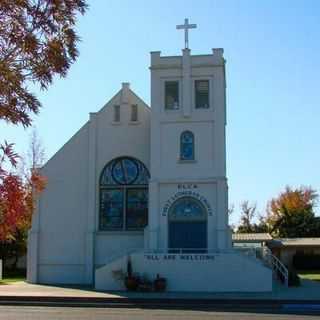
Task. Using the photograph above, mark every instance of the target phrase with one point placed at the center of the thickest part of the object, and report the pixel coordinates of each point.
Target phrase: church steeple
(188, 147)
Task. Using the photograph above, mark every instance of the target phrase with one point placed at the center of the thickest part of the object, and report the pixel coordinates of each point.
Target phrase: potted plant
(131, 282)
(145, 285)
(160, 284)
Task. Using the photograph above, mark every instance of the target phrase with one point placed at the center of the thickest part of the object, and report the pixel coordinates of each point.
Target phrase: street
(59, 313)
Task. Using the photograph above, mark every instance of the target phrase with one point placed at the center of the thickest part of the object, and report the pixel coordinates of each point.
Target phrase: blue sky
(273, 88)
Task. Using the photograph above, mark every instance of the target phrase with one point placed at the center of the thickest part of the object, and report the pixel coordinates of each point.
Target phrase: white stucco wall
(64, 242)
(208, 170)
(115, 140)
(62, 213)
(220, 273)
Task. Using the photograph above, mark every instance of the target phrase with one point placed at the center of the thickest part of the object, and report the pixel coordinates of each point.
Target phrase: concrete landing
(193, 273)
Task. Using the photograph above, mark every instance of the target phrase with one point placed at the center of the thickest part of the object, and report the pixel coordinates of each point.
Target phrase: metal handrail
(265, 254)
(278, 266)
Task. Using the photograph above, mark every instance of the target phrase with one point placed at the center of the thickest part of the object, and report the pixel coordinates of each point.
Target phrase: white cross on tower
(186, 26)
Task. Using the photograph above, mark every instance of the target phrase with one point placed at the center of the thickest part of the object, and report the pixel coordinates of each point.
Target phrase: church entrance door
(187, 226)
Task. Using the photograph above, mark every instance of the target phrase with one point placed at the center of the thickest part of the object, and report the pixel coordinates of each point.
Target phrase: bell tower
(188, 186)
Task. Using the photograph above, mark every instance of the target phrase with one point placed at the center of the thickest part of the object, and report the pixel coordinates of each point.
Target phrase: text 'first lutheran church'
(149, 185)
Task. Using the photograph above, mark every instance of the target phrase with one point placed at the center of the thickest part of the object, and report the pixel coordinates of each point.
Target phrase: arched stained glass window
(124, 171)
(187, 226)
(124, 195)
(187, 209)
(187, 146)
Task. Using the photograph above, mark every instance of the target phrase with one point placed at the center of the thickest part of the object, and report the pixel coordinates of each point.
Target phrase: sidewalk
(309, 290)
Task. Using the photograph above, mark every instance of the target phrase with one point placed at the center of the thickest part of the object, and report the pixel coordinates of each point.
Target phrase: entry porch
(228, 271)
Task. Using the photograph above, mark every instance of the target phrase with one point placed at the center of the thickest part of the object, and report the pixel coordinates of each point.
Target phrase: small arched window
(187, 209)
(187, 145)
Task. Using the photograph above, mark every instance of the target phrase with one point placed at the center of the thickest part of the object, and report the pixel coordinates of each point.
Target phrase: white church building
(146, 183)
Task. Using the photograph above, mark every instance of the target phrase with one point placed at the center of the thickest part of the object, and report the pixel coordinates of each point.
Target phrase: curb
(271, 305)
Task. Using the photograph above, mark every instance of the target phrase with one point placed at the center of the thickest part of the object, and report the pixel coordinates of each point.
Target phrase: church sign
(186, 191)
(181, 257)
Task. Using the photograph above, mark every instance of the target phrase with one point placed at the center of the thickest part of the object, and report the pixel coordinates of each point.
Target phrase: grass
(12, 280)
(309, 274)
(12, 277)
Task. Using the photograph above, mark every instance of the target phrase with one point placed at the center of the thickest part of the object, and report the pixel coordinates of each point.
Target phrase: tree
(35, 182)
(18, 195)
(11, 194)
(231, 210)
(37, 42)
(34, 158)
(248, 213)
(291, 214)
(17, 201)
(248, 216)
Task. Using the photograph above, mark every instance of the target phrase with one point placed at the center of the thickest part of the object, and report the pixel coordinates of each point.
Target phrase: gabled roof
(123, 97)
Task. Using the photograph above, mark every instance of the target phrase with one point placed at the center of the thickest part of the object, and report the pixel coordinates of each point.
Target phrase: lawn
(11, 280)
(11, 277)
(309, 274)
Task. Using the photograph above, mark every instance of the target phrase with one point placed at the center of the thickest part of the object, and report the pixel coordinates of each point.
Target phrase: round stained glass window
(125, 171)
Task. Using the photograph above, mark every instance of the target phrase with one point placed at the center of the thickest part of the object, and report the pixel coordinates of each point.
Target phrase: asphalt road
(53, 313)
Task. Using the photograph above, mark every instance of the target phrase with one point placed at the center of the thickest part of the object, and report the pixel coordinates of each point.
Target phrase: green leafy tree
(292, 214)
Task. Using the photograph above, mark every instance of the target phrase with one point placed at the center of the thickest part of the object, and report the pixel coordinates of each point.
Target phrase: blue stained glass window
(187, 145)
(187, 208)
(111, 206)
(122, 206)
(137, 208)
(124, 171)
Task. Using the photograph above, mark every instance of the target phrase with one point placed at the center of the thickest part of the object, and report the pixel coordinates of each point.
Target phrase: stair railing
(277, 266)
(265, 254)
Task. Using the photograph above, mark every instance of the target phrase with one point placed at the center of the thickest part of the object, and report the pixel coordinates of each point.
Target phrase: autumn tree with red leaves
(11, 194)
(38, 41)
(17, 196)
(19, 191)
